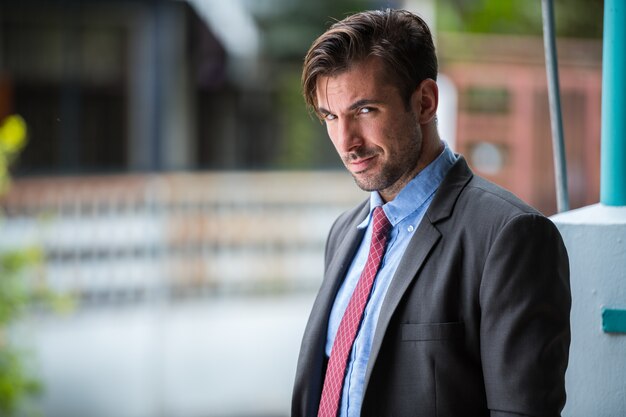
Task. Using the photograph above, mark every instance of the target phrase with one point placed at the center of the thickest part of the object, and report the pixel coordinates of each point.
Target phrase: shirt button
(410, 228)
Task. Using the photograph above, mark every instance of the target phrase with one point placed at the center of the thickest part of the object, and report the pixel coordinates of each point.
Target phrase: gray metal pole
(552, 69)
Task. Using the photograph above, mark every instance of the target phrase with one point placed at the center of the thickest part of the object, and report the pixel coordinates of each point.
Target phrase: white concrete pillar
(595, 238)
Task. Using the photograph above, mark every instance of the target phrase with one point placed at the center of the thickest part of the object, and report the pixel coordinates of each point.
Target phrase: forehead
(364, 80)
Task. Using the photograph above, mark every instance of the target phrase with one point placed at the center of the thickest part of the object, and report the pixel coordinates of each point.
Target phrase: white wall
(595, 238)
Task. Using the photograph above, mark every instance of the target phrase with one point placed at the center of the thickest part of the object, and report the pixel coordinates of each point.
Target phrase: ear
(425, 100)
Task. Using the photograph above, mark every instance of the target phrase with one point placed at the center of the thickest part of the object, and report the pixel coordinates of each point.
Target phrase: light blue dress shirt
(404, 213)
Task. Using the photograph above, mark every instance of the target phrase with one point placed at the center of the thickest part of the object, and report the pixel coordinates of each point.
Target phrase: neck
(431, 149)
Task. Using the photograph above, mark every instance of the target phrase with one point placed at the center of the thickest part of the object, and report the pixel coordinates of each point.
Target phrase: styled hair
(399, 38)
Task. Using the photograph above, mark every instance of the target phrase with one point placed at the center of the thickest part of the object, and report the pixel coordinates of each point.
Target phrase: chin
(366, 184)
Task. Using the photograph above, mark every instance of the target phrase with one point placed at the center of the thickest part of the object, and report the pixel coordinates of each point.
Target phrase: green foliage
(13, 292)
(301, 130)
(19, 289)
(306, 144)
(291, 26)
(16, 382)
(12, 140)
(573, 18)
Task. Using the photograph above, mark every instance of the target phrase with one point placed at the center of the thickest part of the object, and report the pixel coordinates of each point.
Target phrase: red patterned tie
(349, 326)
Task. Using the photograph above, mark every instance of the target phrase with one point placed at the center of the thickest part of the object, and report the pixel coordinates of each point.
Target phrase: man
(453, 300)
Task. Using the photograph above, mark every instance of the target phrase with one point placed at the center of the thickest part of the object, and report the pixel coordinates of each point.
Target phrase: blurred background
(161, 240)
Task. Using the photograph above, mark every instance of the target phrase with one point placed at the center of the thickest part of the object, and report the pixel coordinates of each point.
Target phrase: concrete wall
(595, 237)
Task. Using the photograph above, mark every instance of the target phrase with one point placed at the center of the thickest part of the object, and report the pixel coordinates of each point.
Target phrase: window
(486, 100)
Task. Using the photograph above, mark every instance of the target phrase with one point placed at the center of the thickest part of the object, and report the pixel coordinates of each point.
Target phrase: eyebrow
(353, 106)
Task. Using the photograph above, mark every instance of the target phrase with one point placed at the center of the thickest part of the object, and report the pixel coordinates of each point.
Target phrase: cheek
(399, 135)
(387, 139)
(373, 133)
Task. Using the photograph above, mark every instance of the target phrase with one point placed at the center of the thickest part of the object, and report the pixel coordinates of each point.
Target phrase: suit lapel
(416, 254)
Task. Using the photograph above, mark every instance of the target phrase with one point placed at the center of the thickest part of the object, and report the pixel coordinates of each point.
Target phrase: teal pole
(613, 158)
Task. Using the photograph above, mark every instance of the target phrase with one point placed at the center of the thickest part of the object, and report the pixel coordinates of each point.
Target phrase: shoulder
(465, 194)
(483, 195)
(469, 205)
(493, 209)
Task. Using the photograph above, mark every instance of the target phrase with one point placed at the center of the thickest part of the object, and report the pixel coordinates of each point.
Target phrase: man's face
(378, 139)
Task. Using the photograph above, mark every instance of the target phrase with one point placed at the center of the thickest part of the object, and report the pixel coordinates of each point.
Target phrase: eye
(328, 116)
(365, 110)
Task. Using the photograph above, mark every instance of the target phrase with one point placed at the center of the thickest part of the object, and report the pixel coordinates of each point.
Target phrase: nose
(347, 135)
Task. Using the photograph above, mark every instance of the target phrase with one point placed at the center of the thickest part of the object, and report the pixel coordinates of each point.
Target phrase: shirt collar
(415, 193)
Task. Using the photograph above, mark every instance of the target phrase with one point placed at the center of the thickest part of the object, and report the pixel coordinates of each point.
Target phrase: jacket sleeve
(525, 306)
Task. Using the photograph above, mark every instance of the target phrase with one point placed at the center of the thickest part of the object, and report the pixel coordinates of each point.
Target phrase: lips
(361, 164)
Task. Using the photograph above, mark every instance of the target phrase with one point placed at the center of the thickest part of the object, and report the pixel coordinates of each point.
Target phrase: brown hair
(401, 39)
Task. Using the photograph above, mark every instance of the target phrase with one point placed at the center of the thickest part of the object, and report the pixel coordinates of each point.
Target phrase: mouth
(361, 164)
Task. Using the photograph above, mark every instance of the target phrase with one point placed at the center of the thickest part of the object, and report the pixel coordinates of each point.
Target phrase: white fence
(131, 237)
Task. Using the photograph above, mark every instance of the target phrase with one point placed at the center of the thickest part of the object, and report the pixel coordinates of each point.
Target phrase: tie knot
(381, 224)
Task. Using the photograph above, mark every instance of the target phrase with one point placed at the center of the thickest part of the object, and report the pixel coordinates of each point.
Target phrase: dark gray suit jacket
(475, 321)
